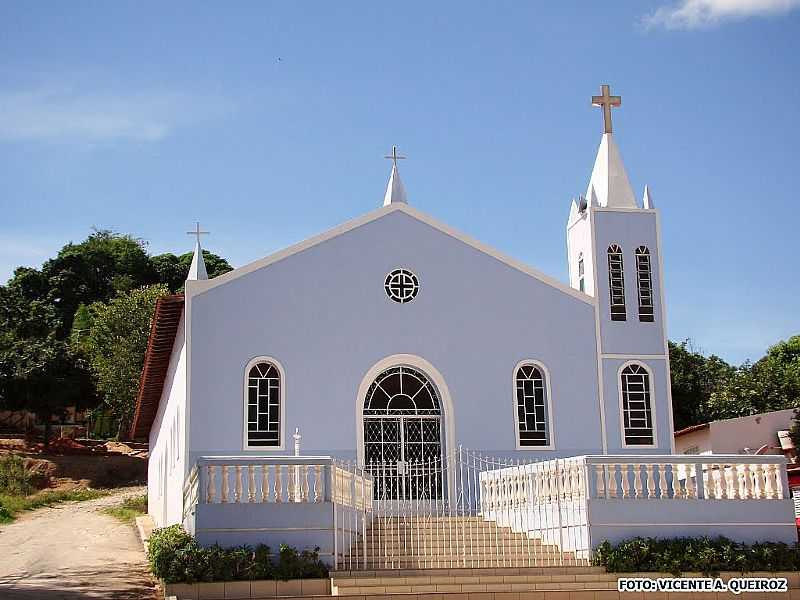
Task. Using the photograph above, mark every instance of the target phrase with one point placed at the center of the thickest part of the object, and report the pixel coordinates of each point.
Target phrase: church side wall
(324, 315)
(166, 464)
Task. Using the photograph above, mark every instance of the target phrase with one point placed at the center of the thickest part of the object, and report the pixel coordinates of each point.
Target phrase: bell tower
(614, 255)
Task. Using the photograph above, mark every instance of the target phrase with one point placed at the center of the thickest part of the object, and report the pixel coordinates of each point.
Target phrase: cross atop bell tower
(606, 101)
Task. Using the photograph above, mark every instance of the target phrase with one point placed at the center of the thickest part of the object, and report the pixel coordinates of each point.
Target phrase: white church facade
(394, 340)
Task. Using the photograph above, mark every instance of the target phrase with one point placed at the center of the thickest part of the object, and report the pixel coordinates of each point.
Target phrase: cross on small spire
(607, 101)
(394, 156)
(197, 232)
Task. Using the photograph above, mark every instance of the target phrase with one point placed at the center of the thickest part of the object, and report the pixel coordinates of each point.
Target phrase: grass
(12, 504)
(128, 509)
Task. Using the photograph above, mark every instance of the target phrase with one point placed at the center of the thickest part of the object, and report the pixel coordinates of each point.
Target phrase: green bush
(176, 557)
(15, 479)
(705, 555)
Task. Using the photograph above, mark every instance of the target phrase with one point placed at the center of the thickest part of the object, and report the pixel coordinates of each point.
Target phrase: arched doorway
(403, 435)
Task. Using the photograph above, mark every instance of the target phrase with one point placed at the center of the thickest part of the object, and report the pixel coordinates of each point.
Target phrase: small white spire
(395, 190)
(592, 196)
(647, 198)
(609, 179)
(197, 270)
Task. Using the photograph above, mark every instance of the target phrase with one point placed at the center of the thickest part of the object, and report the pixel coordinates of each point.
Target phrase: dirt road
(73, 551)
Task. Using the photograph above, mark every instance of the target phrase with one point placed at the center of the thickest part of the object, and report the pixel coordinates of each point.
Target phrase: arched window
(581, 282)
(637, 410)
(533, 408)
(263, 392)
(644, 280)
(616, 283)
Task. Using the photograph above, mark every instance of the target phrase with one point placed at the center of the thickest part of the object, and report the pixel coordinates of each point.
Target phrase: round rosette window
(401, 285)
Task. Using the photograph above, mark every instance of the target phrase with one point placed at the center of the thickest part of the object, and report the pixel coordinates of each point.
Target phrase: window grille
(532, 417)
(637, 411)
(263, 405)
(644, 280)
(581, 283)
(616, 283)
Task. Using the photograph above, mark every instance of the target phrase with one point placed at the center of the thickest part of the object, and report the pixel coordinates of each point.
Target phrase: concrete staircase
(449, 542)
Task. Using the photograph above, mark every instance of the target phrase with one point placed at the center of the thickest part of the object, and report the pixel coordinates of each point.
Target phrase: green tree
(172, 270)
(771, 383)
(695, 378)
(116, 344)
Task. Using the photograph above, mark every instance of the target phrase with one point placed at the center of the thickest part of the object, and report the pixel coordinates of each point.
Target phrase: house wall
(696, 439)
(167, 459)
(324, 315)
(732, 436)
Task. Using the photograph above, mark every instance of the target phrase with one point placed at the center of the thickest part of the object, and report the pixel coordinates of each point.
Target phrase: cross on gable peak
(197, 231)
(394, 156)
(606, 101)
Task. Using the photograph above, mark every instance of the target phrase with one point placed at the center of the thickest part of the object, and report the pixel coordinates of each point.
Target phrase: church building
(394, 340)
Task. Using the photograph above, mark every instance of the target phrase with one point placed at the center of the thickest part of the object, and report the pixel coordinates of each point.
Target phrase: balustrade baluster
(210, 483)
(651, 483)
(612, 480)
(723, 477)
(661, 482)
(600, 480)
(736, 482)
(238, 484)
(691, 492)
(304, 483)
(265, 482)
(637, 480)
(677, 489)
(318, 483)
(278, 483)
(748, 482)
(224, 491)
(626, 485)
(771, 487)
(760, 482)
(251, 483)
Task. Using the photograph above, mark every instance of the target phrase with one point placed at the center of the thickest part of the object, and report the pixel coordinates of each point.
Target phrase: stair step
(468, 572)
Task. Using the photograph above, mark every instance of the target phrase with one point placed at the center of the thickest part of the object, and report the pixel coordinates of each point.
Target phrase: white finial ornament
(197, 270)
(297, 437)
(647, 198)
(395, 191)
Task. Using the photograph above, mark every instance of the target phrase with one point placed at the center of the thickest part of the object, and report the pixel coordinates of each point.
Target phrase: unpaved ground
(73, 551)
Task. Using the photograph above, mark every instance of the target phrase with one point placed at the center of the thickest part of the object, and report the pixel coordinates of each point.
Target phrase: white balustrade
(688, 478)
(260, 480)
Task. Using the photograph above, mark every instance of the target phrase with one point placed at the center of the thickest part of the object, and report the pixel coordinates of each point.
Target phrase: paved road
(73, 552)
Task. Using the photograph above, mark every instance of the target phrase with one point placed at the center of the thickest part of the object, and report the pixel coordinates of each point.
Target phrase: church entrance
(403, 436)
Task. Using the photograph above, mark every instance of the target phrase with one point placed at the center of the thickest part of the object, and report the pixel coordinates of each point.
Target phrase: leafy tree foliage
(695, 378)
(707, 388)
(47, 317)
(116, 344)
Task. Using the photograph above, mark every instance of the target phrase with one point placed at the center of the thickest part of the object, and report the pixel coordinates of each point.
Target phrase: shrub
(15, 479)
(705, 555)
(176, 557)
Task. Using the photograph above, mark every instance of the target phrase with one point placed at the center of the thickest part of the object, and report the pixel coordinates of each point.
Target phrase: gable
(200, 287)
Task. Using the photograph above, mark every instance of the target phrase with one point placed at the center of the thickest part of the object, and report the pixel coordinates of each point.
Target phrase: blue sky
(268, 121)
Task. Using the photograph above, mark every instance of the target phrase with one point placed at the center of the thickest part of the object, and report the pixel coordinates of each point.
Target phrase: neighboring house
(742, 435)
(426, 371)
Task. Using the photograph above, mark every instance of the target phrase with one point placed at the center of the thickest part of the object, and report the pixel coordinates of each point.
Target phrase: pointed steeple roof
(197, 270)
(609, 180)
(395, 190)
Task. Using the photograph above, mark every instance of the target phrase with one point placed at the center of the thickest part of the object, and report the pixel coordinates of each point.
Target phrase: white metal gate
(468, 510)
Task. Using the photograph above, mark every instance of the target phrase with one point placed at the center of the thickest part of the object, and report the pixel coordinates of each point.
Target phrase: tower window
(616, 283)
(637, 411)
(581, 282)
(644, 279)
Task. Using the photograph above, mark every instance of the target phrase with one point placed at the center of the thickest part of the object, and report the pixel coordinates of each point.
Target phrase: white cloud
(70, 114)
(695, 14)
